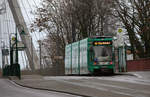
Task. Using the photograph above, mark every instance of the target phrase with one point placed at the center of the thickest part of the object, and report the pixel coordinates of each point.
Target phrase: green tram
(90, 56)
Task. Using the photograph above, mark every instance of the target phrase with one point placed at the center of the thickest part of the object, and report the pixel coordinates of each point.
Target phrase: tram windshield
(103, 53)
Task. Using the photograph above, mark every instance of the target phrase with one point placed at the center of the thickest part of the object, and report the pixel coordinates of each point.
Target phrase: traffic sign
(119, 30)
(20, 45)
(13, 38)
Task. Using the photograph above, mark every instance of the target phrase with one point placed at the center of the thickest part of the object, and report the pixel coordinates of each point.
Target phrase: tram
(93, 55)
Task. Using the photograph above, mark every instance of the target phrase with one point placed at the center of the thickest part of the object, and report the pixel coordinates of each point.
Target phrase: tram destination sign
(100, 43)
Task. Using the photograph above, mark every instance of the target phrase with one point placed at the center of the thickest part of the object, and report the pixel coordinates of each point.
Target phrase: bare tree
(67, 21)
(135, 15)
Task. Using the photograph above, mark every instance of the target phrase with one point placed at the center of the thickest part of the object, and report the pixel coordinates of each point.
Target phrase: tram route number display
(99, 43)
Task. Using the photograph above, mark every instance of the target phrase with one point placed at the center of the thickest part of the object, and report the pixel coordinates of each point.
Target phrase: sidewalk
(141, 74)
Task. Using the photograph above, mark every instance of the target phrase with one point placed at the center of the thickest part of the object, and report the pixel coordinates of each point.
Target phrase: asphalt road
(8, 89)
(124, 86)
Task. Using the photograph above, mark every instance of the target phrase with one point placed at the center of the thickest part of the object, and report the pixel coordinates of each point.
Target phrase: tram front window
(102, 53)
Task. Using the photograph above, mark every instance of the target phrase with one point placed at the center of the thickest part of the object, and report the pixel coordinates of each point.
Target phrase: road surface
(124, 86)
(8, 89)
(99, 86)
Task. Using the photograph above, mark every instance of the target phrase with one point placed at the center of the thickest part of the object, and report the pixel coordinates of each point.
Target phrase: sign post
(121, 51)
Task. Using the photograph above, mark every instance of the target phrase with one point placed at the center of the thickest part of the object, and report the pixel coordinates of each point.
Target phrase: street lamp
(15, 67)
(19, 28)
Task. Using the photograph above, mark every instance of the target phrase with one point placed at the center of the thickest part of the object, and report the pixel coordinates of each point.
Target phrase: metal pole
(32, 52)
(16, 47)
(3, 57)
(40, 55)
(11, 49)
(16, 68)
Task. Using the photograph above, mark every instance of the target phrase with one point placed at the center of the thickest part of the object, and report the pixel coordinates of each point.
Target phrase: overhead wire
(34, 17)
(39, 14)
(9, 26)
(40, 34)
(47, 50)
(27, 14)
(28, 17)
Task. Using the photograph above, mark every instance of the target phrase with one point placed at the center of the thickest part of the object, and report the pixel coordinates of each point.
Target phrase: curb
(130, 74)
(53, 90)
(136, 75)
